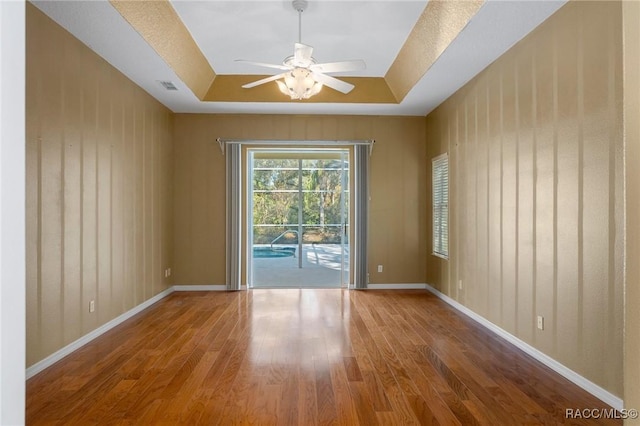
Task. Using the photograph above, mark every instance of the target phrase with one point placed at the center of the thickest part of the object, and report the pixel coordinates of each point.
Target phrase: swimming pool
(272, 252)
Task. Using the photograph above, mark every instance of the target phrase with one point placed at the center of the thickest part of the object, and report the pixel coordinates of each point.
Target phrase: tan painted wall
(398, 198)
(98, 190)
(535, 144)
(631, 17)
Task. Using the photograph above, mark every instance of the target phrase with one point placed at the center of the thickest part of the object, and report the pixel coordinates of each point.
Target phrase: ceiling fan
(303, 77)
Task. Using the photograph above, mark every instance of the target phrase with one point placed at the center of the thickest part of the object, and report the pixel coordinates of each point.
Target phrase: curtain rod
(323, 143)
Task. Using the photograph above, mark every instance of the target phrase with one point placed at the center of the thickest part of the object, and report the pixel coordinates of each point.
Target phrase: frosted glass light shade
(299, 84)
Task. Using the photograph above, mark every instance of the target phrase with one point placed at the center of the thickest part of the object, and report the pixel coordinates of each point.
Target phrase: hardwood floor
(302, 357)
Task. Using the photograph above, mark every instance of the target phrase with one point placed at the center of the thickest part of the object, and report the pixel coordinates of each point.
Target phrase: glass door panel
(299, 216)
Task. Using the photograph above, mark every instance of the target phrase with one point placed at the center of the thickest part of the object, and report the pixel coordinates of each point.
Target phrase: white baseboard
(595, 390)
(58, 355)
(398, 286)
(199, 287)
(73, 346)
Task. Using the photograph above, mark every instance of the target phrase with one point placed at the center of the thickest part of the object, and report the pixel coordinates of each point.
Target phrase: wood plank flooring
(302, 357)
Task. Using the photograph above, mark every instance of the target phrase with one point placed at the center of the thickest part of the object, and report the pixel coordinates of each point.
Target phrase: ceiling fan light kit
(303, 77)
(299, 84)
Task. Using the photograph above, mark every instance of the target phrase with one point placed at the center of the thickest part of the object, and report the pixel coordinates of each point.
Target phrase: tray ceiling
(417, 53)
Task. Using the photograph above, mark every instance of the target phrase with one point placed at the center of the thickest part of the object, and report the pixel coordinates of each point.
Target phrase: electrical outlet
(379, 268)
(459, 284)
(92, 306)
(540, 322)
(169, 272)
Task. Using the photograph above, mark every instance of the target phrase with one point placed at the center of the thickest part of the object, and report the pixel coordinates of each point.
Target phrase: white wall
(12, 212)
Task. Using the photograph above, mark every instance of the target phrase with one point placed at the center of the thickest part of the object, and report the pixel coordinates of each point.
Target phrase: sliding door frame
(232, 148)
(301, 153)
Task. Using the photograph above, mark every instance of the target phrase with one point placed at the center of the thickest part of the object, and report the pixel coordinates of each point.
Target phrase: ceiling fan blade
(334, 83)
(302, 55)
(264, 80)
(341, 66)
(262, 64)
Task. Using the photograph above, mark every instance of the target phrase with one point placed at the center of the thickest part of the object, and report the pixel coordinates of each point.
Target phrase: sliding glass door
(298, 218)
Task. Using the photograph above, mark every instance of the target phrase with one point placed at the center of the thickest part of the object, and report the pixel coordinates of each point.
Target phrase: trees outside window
(276, 185)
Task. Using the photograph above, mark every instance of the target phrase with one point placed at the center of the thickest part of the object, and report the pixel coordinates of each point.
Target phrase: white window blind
(441, 206)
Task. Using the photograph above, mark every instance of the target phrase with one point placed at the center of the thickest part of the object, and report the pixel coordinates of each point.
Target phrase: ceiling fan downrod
(300, 6)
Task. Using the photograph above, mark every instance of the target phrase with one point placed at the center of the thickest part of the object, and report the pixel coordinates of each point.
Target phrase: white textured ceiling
(266, 30)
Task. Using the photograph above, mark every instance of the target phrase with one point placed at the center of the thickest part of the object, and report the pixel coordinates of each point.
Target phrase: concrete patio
(320, 268)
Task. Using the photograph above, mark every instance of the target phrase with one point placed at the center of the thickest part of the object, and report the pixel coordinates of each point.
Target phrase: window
(441, 206)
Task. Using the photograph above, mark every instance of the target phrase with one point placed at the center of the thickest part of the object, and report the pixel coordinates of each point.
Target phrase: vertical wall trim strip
(612, 339)
(554, 323)
(581, 173)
